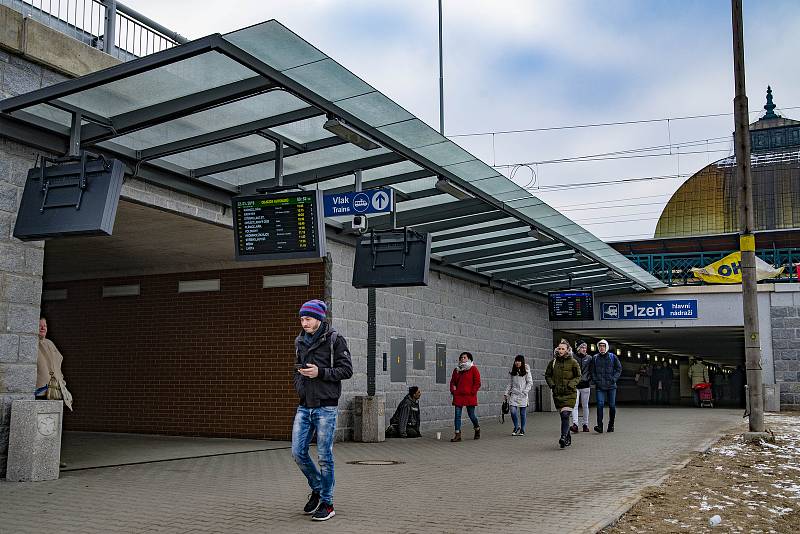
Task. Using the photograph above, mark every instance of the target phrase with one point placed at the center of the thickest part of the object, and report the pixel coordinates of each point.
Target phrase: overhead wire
(603, 124)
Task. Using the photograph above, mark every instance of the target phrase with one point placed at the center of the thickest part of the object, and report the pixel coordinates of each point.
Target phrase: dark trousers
(411, 432)
(606, 397)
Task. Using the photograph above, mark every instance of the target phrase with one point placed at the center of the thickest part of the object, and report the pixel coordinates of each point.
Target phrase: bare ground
(753, 487)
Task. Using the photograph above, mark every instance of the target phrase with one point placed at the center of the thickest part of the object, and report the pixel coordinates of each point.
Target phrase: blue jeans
(470, 413)
(606, 396)
(519, 414)
(323, 420)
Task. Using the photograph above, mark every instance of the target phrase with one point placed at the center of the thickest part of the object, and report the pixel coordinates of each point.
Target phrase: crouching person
(405, 421)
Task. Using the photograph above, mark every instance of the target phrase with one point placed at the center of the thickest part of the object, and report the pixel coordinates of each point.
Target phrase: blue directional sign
(649, 310)
(359, 203)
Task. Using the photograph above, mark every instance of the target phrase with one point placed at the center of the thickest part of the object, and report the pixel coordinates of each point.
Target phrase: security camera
(359, 223)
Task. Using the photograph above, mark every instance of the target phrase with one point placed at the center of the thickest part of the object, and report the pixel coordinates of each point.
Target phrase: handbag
(504, 409)
(54, 388)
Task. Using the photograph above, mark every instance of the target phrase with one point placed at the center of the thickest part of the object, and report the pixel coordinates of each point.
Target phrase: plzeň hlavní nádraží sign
(649, 310)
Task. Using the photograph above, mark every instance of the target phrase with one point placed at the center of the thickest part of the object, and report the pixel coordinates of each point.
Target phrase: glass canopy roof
(212, 116)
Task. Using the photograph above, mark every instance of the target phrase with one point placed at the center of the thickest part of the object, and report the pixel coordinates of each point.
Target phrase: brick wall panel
(197, 364)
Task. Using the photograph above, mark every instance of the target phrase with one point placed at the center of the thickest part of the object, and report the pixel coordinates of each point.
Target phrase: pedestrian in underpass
(519, 385)
(698, 374)
(464, 386)
(584, 386)
(666, 383)
(562, 375)
(322, 362)
(642, 379)
(606, 370)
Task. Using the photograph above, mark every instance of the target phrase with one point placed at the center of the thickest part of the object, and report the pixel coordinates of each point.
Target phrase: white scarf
(465, 366)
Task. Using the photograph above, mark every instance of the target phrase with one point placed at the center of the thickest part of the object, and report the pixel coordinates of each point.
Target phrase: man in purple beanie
(322, 362)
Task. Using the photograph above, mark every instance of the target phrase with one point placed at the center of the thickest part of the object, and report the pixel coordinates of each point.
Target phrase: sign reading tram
(278, 226)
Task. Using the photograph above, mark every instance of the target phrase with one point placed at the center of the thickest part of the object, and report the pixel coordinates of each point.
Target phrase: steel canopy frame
(481, 209)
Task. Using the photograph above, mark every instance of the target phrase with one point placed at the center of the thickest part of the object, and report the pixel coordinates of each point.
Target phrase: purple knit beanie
(314, 308)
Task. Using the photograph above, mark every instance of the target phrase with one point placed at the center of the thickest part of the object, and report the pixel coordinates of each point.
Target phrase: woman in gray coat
(519, 385)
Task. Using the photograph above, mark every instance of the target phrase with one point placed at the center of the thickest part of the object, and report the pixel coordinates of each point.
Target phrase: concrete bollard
(369, 421)
(34, 447)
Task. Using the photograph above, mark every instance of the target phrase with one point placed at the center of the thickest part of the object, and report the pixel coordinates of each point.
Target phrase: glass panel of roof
(416, 185)
(427, 202)
(274, 44)
(327, 156)
(476, 248)
(412, 133)
(375, 109)
(191, 75)
(246, 175)
(477, 235)
(242, 111)
(446, 153)
(348, 181)
(304, 131)
(395, 169)
(61, 120)
(222, 152)
(497, 185)
(477, 227)
(329, 80)
(473, 170)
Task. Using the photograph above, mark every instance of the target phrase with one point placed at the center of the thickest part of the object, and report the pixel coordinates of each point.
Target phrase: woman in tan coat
(48, 366)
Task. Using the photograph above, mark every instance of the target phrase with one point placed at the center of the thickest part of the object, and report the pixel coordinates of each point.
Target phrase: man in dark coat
(606, 370)
(405, 421)
(322, 362)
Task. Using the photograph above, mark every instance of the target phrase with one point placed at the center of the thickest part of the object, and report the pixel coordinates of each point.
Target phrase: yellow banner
(728, 270)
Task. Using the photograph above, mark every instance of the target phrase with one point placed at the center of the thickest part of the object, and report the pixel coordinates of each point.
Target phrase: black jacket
(326, 388)
(406, 415)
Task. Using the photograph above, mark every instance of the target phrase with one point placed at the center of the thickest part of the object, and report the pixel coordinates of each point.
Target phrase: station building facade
(163, 332)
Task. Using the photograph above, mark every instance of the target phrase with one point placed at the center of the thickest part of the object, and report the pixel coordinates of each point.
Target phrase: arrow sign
(359, 202)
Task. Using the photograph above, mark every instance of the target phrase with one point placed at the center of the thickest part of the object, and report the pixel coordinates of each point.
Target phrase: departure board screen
(279, 226)
(571, 306)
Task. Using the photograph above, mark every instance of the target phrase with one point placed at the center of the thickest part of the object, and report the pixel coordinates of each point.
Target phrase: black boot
(610, 426)
(562, 442)
(568, 439)
(599, 427)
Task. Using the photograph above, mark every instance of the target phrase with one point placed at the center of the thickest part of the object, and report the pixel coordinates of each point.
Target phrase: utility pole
(747, 242)
(441, 75)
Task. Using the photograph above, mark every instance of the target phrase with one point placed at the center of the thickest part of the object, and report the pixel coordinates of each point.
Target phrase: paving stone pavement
(499, 483)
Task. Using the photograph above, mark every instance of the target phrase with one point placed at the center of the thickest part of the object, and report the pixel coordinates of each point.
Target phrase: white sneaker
(515, 433)
(521, 433)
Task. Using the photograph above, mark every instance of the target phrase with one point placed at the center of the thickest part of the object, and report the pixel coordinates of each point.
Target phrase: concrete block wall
(21, 267)
(785, 318)
(492, 325)
(21, 264)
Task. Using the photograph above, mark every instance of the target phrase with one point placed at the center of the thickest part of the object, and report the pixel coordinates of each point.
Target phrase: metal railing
(104, 24)
(676, 269)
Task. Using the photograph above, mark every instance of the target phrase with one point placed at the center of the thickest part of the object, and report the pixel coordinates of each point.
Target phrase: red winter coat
(464, 386)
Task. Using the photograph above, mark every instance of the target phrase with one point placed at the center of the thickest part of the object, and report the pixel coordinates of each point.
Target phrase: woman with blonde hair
(562, 375)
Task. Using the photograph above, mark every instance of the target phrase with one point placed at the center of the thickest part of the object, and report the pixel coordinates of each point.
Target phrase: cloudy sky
(544, 65)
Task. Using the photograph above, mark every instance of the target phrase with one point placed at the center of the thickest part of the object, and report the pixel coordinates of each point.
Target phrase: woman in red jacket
(464, 386)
